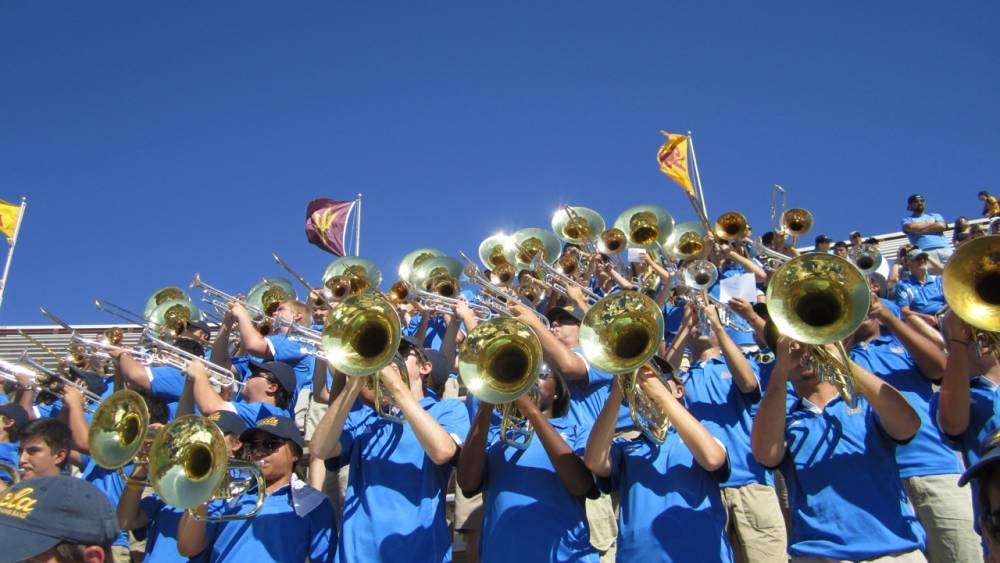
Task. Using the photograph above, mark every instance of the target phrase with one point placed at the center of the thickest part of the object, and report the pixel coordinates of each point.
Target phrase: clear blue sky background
(157, 139)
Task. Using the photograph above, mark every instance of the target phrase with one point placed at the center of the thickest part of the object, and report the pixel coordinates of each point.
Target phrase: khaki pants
(302, 402)
(945, 511)
(121, 554)
(756, 526)
(914, 556)
(602, 516)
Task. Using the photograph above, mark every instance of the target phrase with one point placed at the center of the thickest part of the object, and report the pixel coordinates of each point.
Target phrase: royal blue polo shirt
(528, 515)
(926, 297)
(356, 417)
(984, 419)
(587, 398)
(742, 334)
(109, 482)
(291, 526)
(671, 507)
(290, 352)
(251, 413)
(928, 241)
(3, 398)
(161, 532)
(926, 453)
(847, 499)
(791, 399)
(166, 383)
(712, 397)
(395, 500)
(48, 410)
(11, 455)
(436, 327)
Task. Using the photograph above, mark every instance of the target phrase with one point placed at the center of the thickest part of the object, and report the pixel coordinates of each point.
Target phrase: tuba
(500, 360)
(971, 281)
(577, 225)
(189, 465)
(619, 335)
(819, 299)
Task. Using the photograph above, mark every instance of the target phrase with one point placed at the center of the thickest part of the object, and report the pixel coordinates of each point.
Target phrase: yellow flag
(8, 218)
(673, 159)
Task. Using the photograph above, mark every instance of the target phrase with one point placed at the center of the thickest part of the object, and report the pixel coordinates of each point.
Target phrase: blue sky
(155, 140)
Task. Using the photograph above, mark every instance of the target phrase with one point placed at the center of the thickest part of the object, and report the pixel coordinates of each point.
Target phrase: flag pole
(357, 228)
(697, 173)
(10, 251)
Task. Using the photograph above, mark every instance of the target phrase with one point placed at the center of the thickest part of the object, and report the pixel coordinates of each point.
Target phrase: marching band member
(395, 499)
(12, 420)
(721, 387)
(547, 480)
(266, 393)
(45, 448)
(823, 446)
(671, 509)
(929, 469)
(295, 522)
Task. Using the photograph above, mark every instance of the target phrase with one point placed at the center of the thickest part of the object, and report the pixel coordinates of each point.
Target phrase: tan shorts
(756, 525)
(314, 413)
(945, 511)
(468, 511)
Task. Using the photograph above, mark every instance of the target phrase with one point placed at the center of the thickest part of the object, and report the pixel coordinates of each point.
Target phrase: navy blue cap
(557, 313)
(229, 422)
(280, 370)
(200, 325)
(440, 367)
(914, 197)
(823, 238)
(93, 380)
(42, 512)
(16, 413)
(990, 446)
(277, 426)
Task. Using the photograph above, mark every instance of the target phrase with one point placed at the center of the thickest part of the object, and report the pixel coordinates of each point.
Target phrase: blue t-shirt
(713, 398)
(109, 482)
(926, 297)
(251, 413)
(928, 241)
(926, 453)
(291, 526)
(791, 399)
(395, 499)
(528, 514)
(671, 507)
(587, 398)
(984, 419)
(166, 383)
(161, 532)
(847, 499)
(290, 352)
(9, 454)
(436, 327)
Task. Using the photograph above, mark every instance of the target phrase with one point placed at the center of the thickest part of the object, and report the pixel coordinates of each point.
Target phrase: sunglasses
(265, 445)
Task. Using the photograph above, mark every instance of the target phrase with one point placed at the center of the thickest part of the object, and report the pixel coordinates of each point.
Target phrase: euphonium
(971, 281)
(820, 299)
(686, 241)
(189, 465)
(867, 258)
(731, 225)
(164, 294)
(796, 221)
(119, 430)
(361, 334)
(645, 413)
(619, 335)
(645, 225)
(499, 361)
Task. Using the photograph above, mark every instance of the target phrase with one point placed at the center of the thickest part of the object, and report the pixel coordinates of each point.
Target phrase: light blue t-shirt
(395, 499)
(9, 454)
(587, 398)
(528, 515)
(290, 352)
(252, 413)
(847, 499)
(926, 453)
(161, 532)
(713, 398)
(109, 482)
(671, 507)
(928, 241)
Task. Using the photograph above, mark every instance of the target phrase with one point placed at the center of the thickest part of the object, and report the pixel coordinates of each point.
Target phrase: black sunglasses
(265, 445)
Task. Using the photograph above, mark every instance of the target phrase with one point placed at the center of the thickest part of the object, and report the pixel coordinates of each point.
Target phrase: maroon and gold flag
(326, 223)
(673, 159)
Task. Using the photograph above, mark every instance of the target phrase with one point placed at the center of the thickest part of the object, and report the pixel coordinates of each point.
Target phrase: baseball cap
(37, 514)
(916, 254)
(665, 368)
(992, 454)
(277, 426)
(855, 234)
(407, 343)
(94, 382)
(570, 311)
(200, 325)
(281, 371)
(823, 238)
(16, 413)
(914, 197)
(229, 422)
(439, 367)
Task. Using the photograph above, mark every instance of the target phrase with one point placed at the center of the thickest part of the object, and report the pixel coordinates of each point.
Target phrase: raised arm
(78, 427)
(207, 400)
(253, 341)
(569, 467)
(955, 400)
(325, 441)
(739, 366)
(767, 436)
(597, 457)
(472, 462)
(926, 354)
(707, 451)
(439, 446)
(133, 372)
(898, 418)
(130, 514)
(557, 355)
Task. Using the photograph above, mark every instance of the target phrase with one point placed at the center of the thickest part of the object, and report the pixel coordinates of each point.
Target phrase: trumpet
(169, 354)
(401, 292)
(101, 349)
(495, 297)
(820, 299)
(619, 335)
(561, 282)
(49, 381)
(971, 278)
(499, 361)
(189, 466)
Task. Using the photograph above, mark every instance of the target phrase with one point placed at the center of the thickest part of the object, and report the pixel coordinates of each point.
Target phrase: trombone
(499, 361)
(269, 292)
(820, 299)
(322, 297)
(796, 221)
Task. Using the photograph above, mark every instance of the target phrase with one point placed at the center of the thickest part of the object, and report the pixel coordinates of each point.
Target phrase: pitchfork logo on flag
(672, 157)
(326, 223)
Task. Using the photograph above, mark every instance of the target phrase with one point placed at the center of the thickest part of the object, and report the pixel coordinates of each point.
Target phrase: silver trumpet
(560, 282)
(494, 296)
(698, 277)
(403, 291)
(50, 381)
(168, 354)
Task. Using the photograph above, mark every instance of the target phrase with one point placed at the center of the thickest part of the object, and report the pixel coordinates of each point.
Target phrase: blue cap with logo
(277, 426)
(229, 422)
(39, 513)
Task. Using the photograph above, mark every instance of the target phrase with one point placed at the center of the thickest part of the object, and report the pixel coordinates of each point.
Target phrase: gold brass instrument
(362, 274)
(14, 476)
(131, 317)
(361, 335)
(437, 275)
(499, 361)
(493, 250)
(189, 466)
(612, 242)
(560, 282)
(820, 299)
(731, 225)
(525, 244)
(645, 226)
(686, 241)
(577, 225)
(645, 413)
(220, 299)
(493, 296)
(775, 221)
(164, 294)
(269, 293)
(119, 430)
(415, 258)
(796, 221)
(971, 281)
(318, 297)
(619, 335)
(867, 258)
(53, 382)
(401, 292)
